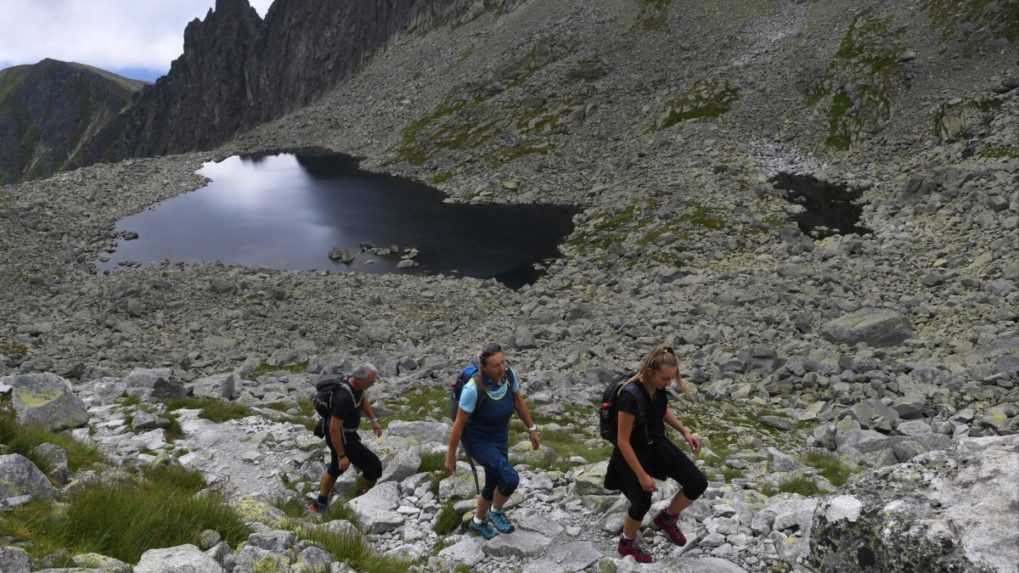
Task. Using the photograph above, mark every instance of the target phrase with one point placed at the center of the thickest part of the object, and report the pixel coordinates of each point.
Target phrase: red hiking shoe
(630, 547)
(667, 523)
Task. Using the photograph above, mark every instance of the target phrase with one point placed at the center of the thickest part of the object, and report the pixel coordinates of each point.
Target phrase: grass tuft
(210, 409)
(22, 439)
(448, 520)
(351, 549)
(830, 467)
(126, 517)
(801, 485)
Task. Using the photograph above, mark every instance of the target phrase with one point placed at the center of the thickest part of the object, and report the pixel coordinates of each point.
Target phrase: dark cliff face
(238, 70)
(47, 110)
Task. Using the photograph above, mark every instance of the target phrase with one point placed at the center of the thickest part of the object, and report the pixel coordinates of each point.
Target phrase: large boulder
(20, 477)
(180, 559)
(376, 509)
(400, 465)
(45, 399)
(947, 510)
(422, 431)
(875, 327)
(149, 383)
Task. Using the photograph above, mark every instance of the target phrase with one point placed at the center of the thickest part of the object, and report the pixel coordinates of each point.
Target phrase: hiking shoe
(632, 548)
(667, 523)
(500, 521)
(318, 507)
(483, 529)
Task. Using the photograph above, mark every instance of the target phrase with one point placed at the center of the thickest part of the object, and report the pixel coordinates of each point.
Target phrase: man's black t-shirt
(655, 412)
(347, 407)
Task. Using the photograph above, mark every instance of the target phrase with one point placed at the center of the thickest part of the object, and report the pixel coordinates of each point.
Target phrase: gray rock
(962, 530)
(143, 421)
(467, 552)
(517, 544)
(277, 541)
(422, 431)
(56, 458)
(147, 383)
(565, 558)
(777, 422)
(180, 559)
(46, 399)
(19, 476)
(251, 559)
(341, 527)
(313, 559)
(590, 479)
(376, 509)
(537, 522)
(703, 565)
(460, 485)
(523, 453)
(875, 414)
(102, 563)
(914, 428)
(781, 462)
(875, 327)
(14, 560)
(400, 465)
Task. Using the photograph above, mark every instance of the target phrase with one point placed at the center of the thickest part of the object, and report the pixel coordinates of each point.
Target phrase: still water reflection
(289, 211)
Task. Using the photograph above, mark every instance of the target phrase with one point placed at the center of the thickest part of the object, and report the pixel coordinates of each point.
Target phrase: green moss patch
(857, 85)
(832, 468)
(705, 99)
(263, 369)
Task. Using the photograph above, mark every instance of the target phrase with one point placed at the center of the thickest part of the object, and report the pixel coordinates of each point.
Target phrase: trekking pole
(474, 469)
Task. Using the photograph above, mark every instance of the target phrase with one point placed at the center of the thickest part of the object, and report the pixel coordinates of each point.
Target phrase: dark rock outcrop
(238, 70)
(47, 110)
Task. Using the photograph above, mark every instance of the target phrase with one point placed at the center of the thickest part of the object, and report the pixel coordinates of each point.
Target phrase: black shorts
(662, 460)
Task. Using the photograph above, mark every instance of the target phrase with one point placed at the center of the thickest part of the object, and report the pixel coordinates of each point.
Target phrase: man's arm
(366, 407)
(336, 436)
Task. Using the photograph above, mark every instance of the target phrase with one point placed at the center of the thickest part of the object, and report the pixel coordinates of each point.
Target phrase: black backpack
(324, 391)
(608, 414)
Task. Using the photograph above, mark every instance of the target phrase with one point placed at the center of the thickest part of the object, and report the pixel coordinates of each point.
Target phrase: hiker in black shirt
(345, 445)
(644, 453)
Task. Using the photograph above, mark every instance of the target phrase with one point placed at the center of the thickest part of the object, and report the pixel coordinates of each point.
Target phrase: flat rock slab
(875, 327)
(467, 551)
(517, 544)
(180, 559)
(567, 558)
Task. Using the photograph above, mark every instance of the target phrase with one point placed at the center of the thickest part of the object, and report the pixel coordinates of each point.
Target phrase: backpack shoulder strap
(346, 387)
(634, 391)
(513, 380)
(482, 395)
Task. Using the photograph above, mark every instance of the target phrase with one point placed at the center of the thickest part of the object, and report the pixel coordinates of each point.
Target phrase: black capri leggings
(665, 461)
(360, 457)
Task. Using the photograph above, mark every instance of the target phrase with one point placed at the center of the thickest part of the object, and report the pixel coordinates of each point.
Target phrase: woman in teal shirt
(487, 403)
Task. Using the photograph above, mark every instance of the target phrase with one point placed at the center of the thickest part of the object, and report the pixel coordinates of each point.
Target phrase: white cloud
(105, 33)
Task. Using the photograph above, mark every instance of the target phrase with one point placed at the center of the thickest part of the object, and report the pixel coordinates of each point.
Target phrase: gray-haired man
(345, 445)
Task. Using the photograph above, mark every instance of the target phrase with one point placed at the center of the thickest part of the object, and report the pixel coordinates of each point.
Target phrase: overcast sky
(139, 37)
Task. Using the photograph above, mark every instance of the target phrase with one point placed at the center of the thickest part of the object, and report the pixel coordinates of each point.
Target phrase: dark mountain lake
(293, 210)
